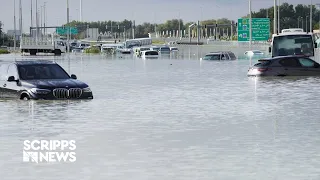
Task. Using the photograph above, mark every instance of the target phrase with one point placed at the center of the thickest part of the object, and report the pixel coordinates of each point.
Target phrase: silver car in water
(285, 66)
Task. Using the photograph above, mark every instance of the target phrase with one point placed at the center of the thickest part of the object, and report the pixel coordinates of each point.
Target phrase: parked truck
(42, 45)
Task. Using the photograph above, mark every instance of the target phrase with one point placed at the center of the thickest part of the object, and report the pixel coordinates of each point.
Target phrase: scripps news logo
(49, 151)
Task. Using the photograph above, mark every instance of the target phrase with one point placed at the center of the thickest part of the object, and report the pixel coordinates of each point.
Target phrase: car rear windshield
(263, 63)
(212, 57)
(232, 56)
(42, 71)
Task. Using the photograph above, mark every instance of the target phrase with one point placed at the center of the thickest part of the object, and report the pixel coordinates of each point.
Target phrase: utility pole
(133, 31)
(275, 17)
(215, 31)
(37, 22)
(278, 16)
(41, 20)
(307, 23)
(231, 35)
(311, 5)
(44, 18)
(68, 28)
(250, 25)
(198, 34)
(111, 30)
(20, 19)
(31, 33)
(1, 38)
(80, 10)
(179, 27)
(14, 24)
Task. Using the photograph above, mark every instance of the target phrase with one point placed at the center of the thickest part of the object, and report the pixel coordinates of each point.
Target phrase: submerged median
(92, 50)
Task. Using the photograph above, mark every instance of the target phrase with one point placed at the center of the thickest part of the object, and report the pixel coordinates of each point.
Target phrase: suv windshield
(41, 71)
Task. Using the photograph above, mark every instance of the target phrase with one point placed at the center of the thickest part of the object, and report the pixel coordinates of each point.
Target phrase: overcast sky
(154, 11)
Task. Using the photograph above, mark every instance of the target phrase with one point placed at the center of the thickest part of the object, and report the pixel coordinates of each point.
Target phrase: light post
(250, 29)
(250, 25)
(278, 16)
(307, 23)
(14, 25)
(275, 17)
(80, 11)
(190, 26)
(311, 16)
(68, 29)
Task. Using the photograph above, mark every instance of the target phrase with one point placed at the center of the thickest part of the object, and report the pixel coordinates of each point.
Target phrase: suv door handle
(285, 69)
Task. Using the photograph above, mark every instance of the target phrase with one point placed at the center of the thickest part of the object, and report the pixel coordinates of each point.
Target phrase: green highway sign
(260, 29)
(63, 31)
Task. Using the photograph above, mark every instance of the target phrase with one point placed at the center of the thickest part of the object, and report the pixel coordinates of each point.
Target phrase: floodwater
(170, 118)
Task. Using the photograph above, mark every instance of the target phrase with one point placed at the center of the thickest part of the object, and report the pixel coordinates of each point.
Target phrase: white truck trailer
(42, 45)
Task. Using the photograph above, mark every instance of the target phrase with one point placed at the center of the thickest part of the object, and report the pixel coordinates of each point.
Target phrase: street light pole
(306, 23)
(311, 5)
(68, 29)
(278, 16)
(20, 20)
(250, 25)
(44, 18)
(275, 17)
(31, 18)
(14, 24)
(80, 10)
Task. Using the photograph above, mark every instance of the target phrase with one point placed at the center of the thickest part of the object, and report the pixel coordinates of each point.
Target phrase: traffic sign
(260, 29)
(64, 30)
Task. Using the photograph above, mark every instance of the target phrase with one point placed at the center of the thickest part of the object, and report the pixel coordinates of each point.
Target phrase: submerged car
(254, 53)
(285, 66)
(40, 80)
(149, 54)
(222, 55)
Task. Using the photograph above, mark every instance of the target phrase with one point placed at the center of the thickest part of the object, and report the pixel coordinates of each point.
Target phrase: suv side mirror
(316, 65)
(73, 76)
(315, 45)
(269, 49)
(11, 79)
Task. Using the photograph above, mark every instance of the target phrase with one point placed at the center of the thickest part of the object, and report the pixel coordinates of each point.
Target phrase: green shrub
(4, 51)
(158, 42)
(93, 50)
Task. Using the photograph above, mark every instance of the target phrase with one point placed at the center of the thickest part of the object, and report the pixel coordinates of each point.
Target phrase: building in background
(11, 34)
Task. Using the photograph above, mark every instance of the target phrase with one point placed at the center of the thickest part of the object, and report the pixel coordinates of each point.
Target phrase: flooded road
(170, 118)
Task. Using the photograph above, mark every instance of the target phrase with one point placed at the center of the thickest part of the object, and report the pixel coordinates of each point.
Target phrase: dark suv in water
(285, 66)
(40, 80)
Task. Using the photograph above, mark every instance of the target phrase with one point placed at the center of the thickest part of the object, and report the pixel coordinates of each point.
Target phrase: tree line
(5, 40)
(290, 17)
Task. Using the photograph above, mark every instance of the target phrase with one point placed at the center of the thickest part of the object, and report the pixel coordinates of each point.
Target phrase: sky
(153, 11)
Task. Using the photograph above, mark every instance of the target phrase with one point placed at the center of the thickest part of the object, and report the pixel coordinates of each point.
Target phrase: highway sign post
(64, 30)
(260, 29)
